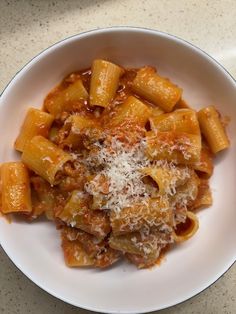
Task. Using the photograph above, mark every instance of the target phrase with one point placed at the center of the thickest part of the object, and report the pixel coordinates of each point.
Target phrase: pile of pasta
(118, 161)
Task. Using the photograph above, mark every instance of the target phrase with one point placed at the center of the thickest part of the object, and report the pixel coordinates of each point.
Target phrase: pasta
(156, 89)
(131, 111)
(205, 165)
(44, 158)
(167, 178)
(181, 120)
(104, 82)
(74, 128)
(64, 99)
(180, 147)
(15, 188)
(188, 230)
(77, 214)
(74, 254)
(155, 213)
(118, 162)
(36, 122)
(213, 129)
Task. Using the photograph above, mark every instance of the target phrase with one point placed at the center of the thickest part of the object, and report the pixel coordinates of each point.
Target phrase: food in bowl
(118, 161)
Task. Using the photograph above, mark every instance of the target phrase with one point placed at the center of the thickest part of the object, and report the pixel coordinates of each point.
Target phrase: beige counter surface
(27, 27)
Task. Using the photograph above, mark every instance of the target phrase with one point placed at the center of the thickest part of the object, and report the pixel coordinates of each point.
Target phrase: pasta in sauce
(118, 161)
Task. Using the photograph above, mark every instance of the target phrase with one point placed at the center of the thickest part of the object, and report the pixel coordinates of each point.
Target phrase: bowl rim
(76, 37)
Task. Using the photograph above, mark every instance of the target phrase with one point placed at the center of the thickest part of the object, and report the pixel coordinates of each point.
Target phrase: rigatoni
(133, 218)
(134, 243)
(44, 198)
(45, 158)
(63, 100)
(205, 165)
(186, 193)
(104, 82)
(180, 147)
(77, 214)
(204, 196)
(182, 120)
(75, 127)
(167, 179)
(149, 85)
(92, 249)
(186, 233)
(212, 129)
(74, 254)
(36, 122)
(132, 111)
(16, 196)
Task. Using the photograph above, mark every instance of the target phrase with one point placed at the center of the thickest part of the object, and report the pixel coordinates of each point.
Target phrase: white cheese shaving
(47, 158)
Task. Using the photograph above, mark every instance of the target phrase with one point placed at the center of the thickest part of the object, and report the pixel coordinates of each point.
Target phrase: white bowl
(190, 267)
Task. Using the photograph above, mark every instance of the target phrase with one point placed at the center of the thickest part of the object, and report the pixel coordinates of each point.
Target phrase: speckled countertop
(27, 27)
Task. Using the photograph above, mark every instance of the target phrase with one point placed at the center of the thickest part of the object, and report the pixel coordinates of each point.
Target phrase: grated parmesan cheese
(121, 167)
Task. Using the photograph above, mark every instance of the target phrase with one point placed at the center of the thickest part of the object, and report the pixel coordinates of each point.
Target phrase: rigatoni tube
(77, 214)
(212, 129)
(192, 227)
(164, 177)
(36, 122)
(64, 99)
(162, 92)
(182, 120)
(180, 147)
(131, 111)
(74, 254)
(205, 165)
(16, 196)
(133, 243)
(133, 218)
(75, 127)
(44, 158)
(104, 82)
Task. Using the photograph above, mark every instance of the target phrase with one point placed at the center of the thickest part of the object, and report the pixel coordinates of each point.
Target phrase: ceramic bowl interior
(187, 269)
